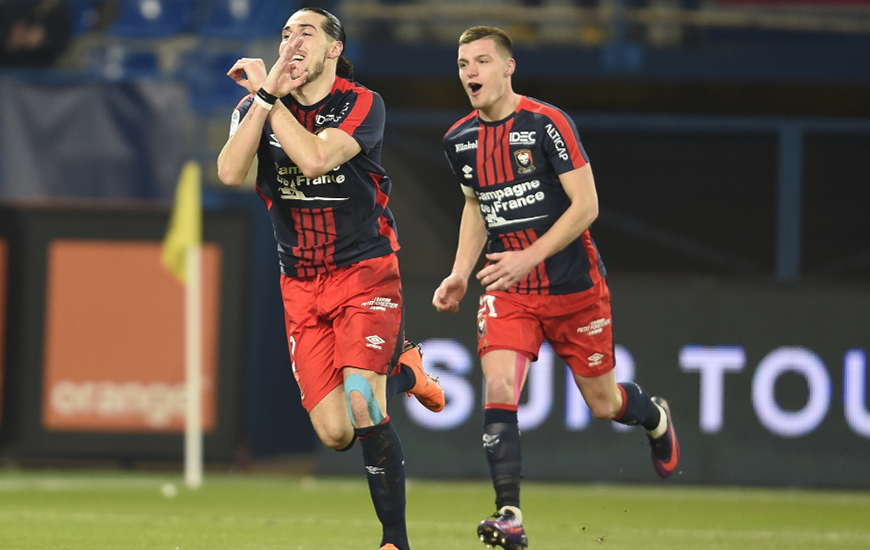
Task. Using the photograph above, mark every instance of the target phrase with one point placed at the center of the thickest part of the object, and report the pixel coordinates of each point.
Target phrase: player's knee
(603, 409)
(359, 409)
(336, 444)
(362, 406)
(335, 437)
(499, 390)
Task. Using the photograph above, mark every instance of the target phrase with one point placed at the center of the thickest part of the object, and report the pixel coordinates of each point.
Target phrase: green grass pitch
(111, 510)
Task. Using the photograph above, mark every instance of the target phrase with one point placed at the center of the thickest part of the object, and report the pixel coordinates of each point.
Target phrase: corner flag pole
(182, 255)
(193, 367)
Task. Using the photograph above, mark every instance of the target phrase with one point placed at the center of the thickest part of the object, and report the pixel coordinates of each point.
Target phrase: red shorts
(351, 317)
(578, 326)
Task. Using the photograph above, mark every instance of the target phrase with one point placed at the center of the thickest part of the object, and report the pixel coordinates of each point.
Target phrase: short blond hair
(502, 41)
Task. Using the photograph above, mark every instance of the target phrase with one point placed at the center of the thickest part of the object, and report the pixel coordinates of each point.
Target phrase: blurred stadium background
(729, 139)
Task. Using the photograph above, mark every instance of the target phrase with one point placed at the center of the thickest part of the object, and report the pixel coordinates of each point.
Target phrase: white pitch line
(77, 484)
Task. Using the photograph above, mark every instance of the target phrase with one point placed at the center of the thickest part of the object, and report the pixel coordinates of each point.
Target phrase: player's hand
(249, 73)
(286, 74)
(506, 269)
(449, 294)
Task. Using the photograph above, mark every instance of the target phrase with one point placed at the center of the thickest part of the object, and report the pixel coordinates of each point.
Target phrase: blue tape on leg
(357, 382)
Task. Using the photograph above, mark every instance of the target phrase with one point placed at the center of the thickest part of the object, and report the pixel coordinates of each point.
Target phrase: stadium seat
(205, 72)
(243, 19)
(152, 18)
(116, 62)
(83, 14)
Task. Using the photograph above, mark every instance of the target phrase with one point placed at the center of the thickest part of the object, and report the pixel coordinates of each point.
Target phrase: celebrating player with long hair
(317, 136)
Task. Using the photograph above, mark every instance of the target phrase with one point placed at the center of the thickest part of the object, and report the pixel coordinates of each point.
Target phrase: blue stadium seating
(204, 70)
(243, 19)
(83, 14)
(153, 18)
(117, 62)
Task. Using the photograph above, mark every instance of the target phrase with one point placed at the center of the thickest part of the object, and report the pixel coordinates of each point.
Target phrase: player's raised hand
(249, 73)
(287, 73)
(449, 294)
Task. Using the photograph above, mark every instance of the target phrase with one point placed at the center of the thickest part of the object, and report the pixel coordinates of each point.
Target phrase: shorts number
(487, 306)
(293, 353)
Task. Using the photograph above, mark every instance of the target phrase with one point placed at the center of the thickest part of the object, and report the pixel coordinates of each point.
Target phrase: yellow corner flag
(185, 225)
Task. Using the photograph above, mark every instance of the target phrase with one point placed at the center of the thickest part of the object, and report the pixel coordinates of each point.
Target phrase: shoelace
(408, 346)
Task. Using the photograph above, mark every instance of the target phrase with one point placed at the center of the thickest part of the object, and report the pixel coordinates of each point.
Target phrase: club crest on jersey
(524, 161)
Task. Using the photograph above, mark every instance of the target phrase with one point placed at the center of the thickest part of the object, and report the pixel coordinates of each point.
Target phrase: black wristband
(266, 96)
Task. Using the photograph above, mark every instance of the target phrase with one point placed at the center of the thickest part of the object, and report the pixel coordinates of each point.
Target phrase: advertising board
(767, 384)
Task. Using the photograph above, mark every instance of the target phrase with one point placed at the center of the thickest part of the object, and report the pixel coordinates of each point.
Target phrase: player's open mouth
(474, 87)
(298, 57)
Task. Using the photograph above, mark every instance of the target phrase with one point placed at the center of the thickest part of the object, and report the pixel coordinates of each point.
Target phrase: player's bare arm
(314, 154)
(508, 268)
(472, 237)
(237, 155)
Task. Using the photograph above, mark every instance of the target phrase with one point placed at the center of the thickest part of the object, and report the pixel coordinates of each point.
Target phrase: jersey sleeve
(363, 118)
(239, 113)
(562, 143)
(451, 161)
(447, 155)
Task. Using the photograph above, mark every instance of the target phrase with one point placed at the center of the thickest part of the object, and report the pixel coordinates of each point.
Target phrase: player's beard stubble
(317, 70)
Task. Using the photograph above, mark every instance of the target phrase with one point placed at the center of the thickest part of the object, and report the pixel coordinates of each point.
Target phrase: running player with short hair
(530, 198)
(317, 136)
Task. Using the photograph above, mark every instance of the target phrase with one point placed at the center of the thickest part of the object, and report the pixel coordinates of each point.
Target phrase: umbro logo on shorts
(595, 359)
(375, 341)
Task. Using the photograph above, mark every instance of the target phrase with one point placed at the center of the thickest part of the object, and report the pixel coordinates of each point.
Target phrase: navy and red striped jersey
(342, 217)
(512, 167)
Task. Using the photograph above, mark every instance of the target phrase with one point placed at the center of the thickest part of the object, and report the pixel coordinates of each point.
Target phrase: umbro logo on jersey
(523, 138)
(466, 146)
(467, 170)
(273, 141)
(375, 342)
(374, 470)
(595, 359)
